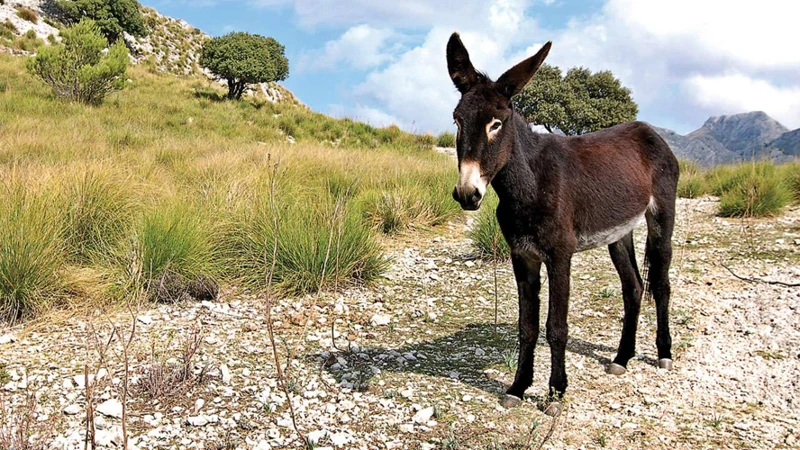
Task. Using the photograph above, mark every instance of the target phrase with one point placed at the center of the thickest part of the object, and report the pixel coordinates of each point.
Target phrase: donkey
(562, 195)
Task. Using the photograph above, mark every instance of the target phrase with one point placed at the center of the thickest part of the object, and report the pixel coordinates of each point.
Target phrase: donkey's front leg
(558, 272)
(527, 273)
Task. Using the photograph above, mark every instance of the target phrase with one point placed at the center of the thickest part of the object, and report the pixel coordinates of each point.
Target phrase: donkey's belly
(605, 237)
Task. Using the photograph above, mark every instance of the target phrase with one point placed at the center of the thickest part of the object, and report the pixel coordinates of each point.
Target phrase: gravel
(417, 362)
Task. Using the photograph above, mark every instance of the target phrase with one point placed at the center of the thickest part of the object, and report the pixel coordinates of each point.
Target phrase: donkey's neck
(517, 182)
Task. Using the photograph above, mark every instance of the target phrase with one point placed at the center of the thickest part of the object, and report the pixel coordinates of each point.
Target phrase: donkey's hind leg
(624, 258)
(660, 224)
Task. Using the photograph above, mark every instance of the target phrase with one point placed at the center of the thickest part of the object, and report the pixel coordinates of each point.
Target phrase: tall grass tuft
(446, 139)
(31, 252)
(486, 234)
(753, 190)
(692, 182)
(322, 245)
(99, 213)
(173, 247)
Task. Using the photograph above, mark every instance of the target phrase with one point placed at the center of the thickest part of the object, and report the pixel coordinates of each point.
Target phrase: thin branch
(759, 280)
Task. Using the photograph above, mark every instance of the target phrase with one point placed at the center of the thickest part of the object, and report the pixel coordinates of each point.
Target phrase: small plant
(8, 30)
(715, 422)
(20, 428)
(446, 139)
(608, 292)
(602, 440)
(510, 357)
(78, 69)
(28, 14)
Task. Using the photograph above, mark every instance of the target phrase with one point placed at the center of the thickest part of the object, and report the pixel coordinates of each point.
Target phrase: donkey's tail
(648, 293)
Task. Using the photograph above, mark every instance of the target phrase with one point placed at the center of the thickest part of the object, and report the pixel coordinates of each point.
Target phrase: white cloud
(730, 94)
(361, 47)
(677, 56)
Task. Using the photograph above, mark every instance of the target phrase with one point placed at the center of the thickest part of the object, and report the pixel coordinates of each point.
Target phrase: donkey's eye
(496, 126)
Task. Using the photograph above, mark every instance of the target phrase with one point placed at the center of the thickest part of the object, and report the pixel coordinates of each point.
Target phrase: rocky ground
(418, 361)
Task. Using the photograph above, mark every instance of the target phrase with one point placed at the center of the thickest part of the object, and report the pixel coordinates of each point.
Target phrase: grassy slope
(167, 179)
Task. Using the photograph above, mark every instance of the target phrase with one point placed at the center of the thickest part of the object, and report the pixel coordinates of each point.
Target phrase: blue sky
(383, 62)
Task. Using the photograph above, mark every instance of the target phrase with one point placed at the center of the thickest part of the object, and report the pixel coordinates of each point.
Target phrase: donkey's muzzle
(469, 197)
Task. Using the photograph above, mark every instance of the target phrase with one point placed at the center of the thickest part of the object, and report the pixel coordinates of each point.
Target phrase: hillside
(706, 152)
(788, 143)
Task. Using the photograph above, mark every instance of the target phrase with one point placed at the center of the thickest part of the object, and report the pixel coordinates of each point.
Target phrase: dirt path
(419, 362)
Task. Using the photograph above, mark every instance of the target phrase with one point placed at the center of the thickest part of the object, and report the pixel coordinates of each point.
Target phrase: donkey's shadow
(463, 356)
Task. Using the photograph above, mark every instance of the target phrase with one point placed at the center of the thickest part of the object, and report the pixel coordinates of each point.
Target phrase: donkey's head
(483, 117)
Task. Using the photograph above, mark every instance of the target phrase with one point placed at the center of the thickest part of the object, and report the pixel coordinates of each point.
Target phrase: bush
(113, 17)
(8, 30)
(31, 252)
(243, 58)
(28, 42)
(446, 139)
(78, 69)
(753, 191)
(692, 181)
(28, 14)
(486, 234)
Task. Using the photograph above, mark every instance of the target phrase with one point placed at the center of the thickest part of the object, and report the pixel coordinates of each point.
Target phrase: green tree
(243, 58)
(112, 16)
(78, 69)
(578, 103)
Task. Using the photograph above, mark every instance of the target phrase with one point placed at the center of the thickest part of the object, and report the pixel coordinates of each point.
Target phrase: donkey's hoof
(665, 363)
(554, 409)
(510, 401)
(616, 369)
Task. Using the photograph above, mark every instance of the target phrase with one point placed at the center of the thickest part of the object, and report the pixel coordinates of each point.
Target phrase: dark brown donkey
(561, 195)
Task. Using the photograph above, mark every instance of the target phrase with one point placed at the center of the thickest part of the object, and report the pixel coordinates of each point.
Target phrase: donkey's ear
(511, 83)
(461, 70)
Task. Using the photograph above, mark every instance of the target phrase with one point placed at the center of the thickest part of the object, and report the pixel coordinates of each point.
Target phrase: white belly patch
(609, 236)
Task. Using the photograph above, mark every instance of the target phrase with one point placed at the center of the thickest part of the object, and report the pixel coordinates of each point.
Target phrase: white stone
(72, 410)
(315, 436)
(380, 320)
(262, 445)
(7, 339)
(423, 415)
(226, 374)
(110, 408)
(197, 421)
(198, 405)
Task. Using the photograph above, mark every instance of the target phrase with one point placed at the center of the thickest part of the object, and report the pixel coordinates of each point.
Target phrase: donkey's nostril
(477, 196)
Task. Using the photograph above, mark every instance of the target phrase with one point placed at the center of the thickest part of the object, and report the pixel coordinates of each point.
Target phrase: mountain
(704, 151)
(788, 144)
(745, 134)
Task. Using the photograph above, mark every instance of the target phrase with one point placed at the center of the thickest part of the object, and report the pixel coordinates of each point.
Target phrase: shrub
(692, 181)
(31, 252)
(754, 191)
(243, 58)
(486, 234)
(791, 173)
(8, 30)
(78, 69)
(113, 17)
(28, 14)
(446, 139)
(28, 42)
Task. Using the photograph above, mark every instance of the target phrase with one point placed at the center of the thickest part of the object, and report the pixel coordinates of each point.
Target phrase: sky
(383, 62)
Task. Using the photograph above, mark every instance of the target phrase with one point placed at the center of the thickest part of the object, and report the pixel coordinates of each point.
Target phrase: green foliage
(577, 103)
(78, 69)
(28, 14)
(754, 190)
(486, 234)
(31, 251)
(112, 16)
(692, 182)
(243, 58)
(446, 139)
(28, 42)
